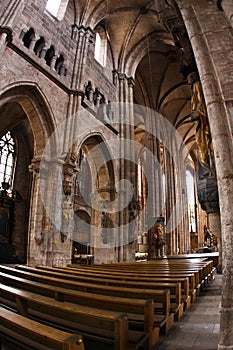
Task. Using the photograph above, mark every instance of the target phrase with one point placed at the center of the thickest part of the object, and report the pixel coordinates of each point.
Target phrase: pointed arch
(36, 107)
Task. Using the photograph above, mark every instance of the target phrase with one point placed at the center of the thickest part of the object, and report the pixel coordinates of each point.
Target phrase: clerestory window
(57, 8)
(101, 47)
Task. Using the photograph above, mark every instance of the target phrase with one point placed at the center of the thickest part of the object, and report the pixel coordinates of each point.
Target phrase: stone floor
(199, 326)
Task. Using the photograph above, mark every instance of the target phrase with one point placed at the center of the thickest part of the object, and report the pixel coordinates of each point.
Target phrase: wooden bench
(205, 267)
(193, 279)
(141, 312)
(139, 269)
(147, 282)
(176, 303)
(98, 325)
(203, 271)
(160, 297)
(19, 329)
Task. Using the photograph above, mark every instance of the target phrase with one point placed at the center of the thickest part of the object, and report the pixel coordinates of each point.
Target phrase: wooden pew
(193, 279)
(106, 327)
(160, 297)
(177, 306)
(16, 328)
(201, 270)
(151, 268)
(205, 267)
(141, 312)
(185, 296)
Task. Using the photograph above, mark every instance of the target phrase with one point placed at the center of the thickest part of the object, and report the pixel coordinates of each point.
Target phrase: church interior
(116, 168)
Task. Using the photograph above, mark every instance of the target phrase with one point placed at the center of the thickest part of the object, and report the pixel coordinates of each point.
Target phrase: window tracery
(7, 159)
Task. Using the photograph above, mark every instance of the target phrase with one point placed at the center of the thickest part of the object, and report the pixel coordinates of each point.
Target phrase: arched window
(7, 159)
(101, 47)
(28, 36)
(49, 55)
(191, 200)
(39, 46)
(59, 63)
(57, 8)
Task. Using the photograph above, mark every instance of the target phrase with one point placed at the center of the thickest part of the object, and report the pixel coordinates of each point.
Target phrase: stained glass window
(7, 158)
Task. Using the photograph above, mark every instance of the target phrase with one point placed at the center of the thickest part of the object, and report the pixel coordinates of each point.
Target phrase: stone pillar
(127, 236)
(53, 62)
(44, 49)
(214, 92)
(33, 42)
(36, 216)
(7, 18)
(83, 38)
(103, 235)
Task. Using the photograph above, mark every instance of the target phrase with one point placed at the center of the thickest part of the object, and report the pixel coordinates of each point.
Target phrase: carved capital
(36, 166)
(131, 82)
(121, 76)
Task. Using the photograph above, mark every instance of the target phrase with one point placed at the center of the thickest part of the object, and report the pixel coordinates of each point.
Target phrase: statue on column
(205, 153)
(207, 188)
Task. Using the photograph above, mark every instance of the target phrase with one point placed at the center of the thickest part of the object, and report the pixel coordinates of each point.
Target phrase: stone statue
(159, 240)
(104, 227)
(89, 91)
(202, 133)
(104, 219)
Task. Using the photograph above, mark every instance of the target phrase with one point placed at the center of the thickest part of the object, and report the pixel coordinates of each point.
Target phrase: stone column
(44, 49)
(214, 92)
(103, 233)
(53, 62)
(83, 38)
(127, 237)
(8, 16)
(37, 214)
(170, 203)
(33, 42)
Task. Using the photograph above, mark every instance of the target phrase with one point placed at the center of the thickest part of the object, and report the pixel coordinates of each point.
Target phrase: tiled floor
(199, 326)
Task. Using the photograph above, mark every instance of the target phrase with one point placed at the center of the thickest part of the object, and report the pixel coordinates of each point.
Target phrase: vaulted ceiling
(149, 41)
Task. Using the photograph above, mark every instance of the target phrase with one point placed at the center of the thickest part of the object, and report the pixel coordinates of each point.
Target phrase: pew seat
(109, 327)
(34, 335)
